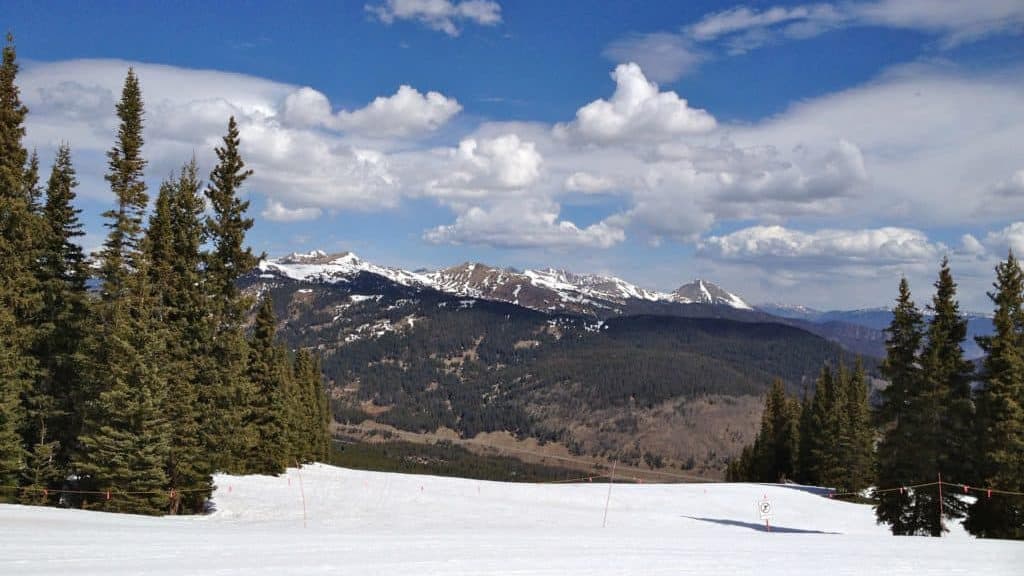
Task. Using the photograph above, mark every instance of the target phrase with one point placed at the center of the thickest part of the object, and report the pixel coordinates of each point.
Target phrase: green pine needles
(936, 416)
(130, 401)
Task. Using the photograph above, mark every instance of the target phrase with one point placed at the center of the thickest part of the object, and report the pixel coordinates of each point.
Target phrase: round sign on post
(764, 509)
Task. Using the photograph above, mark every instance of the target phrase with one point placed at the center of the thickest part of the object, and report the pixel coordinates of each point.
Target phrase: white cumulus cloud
(529, 223)
(971, 246)
(1011, 237)
(482, 167)
(875, 246)
(637, 109)
(441, 15)
(406, 112)
(186, 113)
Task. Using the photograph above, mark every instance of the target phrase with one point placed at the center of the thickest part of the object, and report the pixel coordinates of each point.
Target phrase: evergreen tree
(18, 286)
(742, 469)
(125, 438)
(228, 396)
(820, 460)
(780, 430)
(12, 120)
(325, 418)
(126, 435)
(125, 164)
(1000, 411)
(927, 409)
(173, 243)
(32, 190)
(53, 406)
(898, 451)
(304, 407)
(312, 422)
(857, 435)
(832, 458)
(949, 410)
(270, 413)
(41, 470)
(806, 469)
(773, 455)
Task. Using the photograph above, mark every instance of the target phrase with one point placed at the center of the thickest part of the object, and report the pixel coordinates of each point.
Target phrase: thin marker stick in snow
(301, 491)
(940, 504)
(611, 480)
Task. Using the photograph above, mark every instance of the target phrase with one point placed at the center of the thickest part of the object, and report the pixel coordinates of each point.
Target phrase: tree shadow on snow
(758, 527)
(816, 490)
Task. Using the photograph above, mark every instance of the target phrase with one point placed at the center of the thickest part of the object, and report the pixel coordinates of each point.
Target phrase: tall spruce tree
(270, 416)
(857, 433)
(819, 460)
(121, 251)
(54, 405)
(322, 431)
(832, 456)
(899, 461)
(125, 438)
(947, 392)
(304, 406)
(782, 435)
(1000, 412)
(311, 422)
(19, 298)
(173, 242)
(773, 455)
(228, 396)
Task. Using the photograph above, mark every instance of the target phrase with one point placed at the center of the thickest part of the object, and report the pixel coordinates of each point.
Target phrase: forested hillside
(420, 360)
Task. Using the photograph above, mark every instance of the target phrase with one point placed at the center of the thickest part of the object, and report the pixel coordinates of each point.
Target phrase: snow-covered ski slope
(375, 523)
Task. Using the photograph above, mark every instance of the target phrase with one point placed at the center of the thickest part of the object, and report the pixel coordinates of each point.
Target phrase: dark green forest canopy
(476, 365)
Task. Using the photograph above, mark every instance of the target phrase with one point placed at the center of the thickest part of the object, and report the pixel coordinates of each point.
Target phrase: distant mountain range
(556, 291)
(547, 290)
(877, 319)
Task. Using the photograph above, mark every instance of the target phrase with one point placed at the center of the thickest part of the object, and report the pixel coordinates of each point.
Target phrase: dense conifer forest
(129, 398)
(939, 424)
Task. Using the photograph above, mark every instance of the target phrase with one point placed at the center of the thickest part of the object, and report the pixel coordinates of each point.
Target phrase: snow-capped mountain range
(547, 290)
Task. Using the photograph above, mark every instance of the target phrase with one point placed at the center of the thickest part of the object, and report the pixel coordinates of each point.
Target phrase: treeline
(940, 421)
(442, 458)
(129, 399)
(487, 367)
(825, 440)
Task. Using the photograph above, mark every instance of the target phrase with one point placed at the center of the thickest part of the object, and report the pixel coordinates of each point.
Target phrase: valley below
(549, 367)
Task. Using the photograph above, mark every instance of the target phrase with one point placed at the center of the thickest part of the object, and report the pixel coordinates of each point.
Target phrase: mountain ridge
(548, 289)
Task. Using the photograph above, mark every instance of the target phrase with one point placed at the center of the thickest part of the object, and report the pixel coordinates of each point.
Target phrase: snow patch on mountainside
(704, 292)
(542, 289)
(318, 266)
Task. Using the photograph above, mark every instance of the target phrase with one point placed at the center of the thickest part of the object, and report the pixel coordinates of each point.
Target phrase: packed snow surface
(375, 523)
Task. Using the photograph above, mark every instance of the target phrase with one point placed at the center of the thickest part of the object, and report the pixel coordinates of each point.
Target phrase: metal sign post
(764, 509)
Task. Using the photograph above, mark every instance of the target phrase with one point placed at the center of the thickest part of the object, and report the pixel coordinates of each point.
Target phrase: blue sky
(801, 153)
